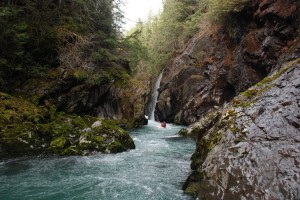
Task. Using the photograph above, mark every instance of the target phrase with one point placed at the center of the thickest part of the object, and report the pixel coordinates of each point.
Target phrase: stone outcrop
(237, 85)
(120, 99)
(221, 61)
(251, 148)
(27, 129)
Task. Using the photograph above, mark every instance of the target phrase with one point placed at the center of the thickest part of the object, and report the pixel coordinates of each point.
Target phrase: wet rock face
(117, 99)
(174, 95)
(110, 101)
(221, 61)
(253, 150)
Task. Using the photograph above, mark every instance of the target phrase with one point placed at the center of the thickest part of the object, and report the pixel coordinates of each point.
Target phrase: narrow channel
(156, 169)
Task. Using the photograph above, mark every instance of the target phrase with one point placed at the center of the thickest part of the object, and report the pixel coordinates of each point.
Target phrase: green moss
(58, 143)
(59, 127)
(70, 151)
(261, 87)
(231, 112)
(272, 78)
(250, 93)
(89, 120)
(17, 110)
(128, 142)
(194, 182)
(234, 129)
(279, 73)
(243, 104)
(116, 147)
(80, 75)
(87, 146)
(232, 126)
(217, 137)
(98, 139)
(211, 142)
(4, 96)
(205, 145)
(130, 123)
(110, 123)
(26, 128)
(110, 127)
(79, 122)
(183, 132)
(192, 188)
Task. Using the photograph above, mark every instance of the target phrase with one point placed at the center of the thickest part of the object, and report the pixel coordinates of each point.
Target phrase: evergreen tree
(161, 34)
(36, 35)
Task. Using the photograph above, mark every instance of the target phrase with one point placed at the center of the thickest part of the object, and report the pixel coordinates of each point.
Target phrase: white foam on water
(154, 170)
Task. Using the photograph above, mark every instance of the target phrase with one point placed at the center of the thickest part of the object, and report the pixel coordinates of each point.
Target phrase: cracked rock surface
(253, 151)
(221, 61)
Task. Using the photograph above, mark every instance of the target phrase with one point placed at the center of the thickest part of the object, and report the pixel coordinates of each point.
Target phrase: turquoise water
(156, 170)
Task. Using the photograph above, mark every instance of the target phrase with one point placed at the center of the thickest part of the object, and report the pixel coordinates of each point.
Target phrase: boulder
(27, 129)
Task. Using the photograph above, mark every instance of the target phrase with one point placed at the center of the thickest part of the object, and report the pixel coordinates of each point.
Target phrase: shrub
(80, 75)
(218, 9)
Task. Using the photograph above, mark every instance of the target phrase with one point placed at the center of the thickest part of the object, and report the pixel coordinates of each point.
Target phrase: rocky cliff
(224, 59)
(250, 148)
(112, 95)
(52, 114)
(237, 84)
(247, 137)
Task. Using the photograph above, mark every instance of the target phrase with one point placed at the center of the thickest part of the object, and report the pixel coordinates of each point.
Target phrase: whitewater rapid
(156, 169)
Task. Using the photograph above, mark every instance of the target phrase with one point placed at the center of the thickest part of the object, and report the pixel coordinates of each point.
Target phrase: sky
(135, 9)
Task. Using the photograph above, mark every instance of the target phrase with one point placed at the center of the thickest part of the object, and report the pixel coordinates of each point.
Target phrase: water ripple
(155, 170)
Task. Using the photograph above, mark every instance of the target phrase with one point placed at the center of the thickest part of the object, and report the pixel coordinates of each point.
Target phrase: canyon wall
(224, 59)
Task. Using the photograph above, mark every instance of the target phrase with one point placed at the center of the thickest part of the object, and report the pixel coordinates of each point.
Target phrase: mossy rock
(192, 188)
(183, 132)
(248, 97)
(98, 139)
(111, 137)
(30, 129)
(58, 143)
(116, 147)
(71, 151)
(18, 138)
(17, 110)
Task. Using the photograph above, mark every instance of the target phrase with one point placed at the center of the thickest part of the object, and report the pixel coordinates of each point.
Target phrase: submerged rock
(253, 150)
(28, 129)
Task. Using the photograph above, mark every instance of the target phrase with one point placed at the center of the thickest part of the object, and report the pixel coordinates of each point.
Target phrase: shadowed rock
(220, 61)
(253, 150)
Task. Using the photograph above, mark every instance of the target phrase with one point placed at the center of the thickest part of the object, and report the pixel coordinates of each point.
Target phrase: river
(156, 170)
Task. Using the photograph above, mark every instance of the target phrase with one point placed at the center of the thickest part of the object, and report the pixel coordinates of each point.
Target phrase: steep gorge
(223, 60)
(235, 82)
(247, 137)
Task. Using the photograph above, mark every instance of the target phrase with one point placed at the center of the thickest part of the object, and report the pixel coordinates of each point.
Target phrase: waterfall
(154, 97)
